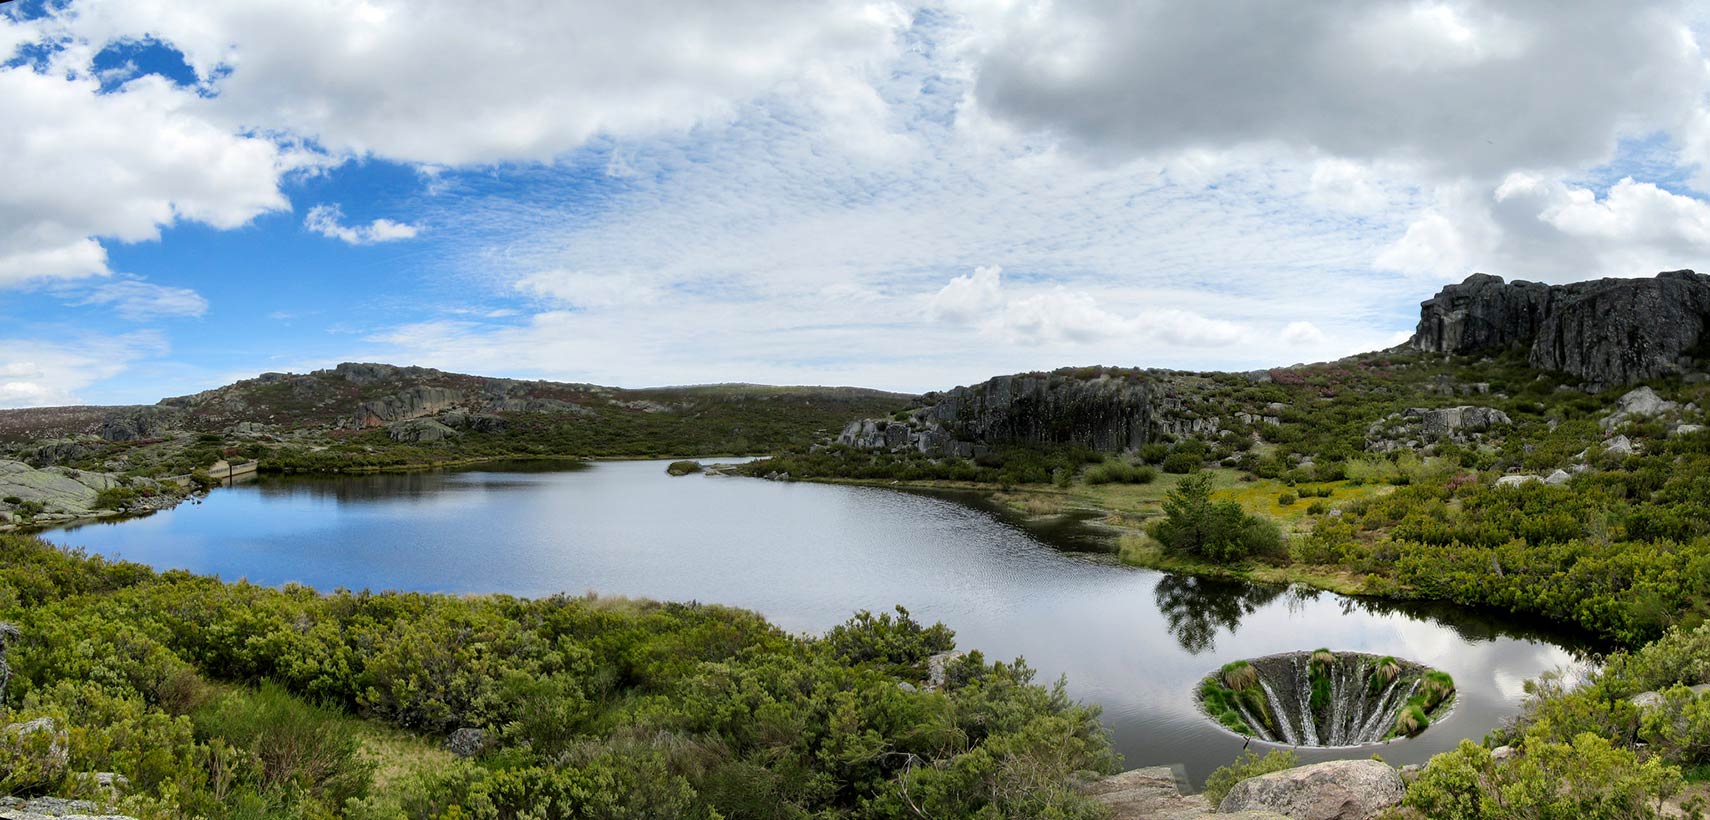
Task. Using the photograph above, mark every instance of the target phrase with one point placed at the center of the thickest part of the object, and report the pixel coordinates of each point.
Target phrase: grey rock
(1620, 446)
(51, 453)
(1558, 478)
(1501, 753)
(410, 404)
(1518, 480)
(1637, 404)
(466, 742)
(1685, 429)
(1155, 794)
(419, 431)
(1606, 332)
(47, 808)
(938, 668)
(1651, 700)
(62, 490)
(138, 423)
(1334, 790)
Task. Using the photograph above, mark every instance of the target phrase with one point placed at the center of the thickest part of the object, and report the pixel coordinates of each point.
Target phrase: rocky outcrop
(410, 404)
(1606, 332)
(52, 495)
(1334, 790)
(140, 423)
(1107, 411)
(1417, 426)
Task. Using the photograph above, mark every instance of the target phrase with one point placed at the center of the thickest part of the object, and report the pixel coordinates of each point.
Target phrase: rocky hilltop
(1607, 332)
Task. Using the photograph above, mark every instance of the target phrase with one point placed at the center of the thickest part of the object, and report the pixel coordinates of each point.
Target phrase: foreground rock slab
(1155, 794)
(1335, 790)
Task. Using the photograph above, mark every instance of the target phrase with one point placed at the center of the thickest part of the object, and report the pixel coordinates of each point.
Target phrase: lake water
(808, 555)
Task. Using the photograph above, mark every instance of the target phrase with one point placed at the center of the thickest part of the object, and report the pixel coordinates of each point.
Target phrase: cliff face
(1607, 332)
(1108, 412)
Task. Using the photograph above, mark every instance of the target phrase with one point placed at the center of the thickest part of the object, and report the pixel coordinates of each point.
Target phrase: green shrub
(1286, 499)
(680, 468)
(1182, 463)
(1248, 765)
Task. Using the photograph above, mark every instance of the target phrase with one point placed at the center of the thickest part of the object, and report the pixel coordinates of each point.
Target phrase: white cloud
(81, 166)
(38, 373)
(1538, 227)
(1303, 334)
(328, 221)
(589, 290)
(1059, 315)
(969, 298)
(140, 301)
(524, 81)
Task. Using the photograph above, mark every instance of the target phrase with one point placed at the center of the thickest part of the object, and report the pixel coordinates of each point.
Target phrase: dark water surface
(808, 555)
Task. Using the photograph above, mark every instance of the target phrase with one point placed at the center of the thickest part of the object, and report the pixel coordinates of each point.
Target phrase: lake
(808, 555)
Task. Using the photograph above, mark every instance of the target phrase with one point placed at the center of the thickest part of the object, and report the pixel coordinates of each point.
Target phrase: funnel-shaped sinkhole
(1325, 698)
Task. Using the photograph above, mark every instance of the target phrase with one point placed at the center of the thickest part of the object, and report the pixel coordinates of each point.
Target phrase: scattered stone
(1685, 429)
(1501, 753)
(1334, 790)
(1518, 480)
(1463, 424)
(1558, 478)
(466, 742)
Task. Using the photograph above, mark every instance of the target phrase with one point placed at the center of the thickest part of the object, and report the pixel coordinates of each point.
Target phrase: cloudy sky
(839, 192)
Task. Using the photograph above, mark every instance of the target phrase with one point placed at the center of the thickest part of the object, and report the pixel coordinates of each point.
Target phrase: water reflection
(1197, 608)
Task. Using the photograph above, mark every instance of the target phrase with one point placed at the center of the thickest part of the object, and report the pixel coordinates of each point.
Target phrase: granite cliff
(1607, 332)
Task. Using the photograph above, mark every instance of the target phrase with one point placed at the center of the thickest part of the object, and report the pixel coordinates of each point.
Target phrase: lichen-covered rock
(1605, 332)
(1518, 480)
(419, 431)
(1334, 790)
(466, 742)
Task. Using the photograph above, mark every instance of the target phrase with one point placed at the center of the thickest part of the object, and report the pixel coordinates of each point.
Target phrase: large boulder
(1155, 794)
(1638, 404)
(1606, 332)
(419, 431)
(1334, 790)
(1426, 425)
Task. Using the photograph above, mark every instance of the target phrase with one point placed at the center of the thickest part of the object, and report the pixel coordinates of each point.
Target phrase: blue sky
(906, 196)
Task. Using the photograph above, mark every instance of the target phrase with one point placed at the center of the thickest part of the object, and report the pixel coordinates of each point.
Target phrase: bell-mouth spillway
(1326, 699)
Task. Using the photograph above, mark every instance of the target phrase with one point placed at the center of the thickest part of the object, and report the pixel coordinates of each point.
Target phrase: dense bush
(203, 693)
(1197, 526)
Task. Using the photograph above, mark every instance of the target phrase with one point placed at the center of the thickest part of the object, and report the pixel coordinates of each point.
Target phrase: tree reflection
(1196, 608)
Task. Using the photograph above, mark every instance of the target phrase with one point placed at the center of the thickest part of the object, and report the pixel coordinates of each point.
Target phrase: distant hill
(365, 415)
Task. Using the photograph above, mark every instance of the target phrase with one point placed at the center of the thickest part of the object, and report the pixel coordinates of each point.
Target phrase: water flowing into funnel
(1361, 698)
